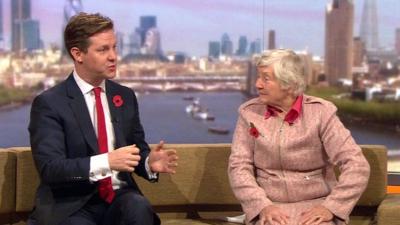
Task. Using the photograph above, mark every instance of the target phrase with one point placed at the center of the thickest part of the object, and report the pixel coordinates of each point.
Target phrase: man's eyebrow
(103, 46)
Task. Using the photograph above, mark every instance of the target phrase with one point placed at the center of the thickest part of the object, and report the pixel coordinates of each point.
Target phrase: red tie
(106, 191)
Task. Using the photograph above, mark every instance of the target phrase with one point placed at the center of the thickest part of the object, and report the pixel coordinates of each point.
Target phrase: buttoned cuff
(99, 167)
(150, 173)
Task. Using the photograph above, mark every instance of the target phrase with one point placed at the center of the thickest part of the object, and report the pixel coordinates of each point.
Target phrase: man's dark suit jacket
(63, 140)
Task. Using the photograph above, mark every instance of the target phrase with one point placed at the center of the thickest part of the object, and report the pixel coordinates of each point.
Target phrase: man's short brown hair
(81, 27)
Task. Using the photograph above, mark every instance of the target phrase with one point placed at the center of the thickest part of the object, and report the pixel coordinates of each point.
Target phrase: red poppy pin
(117, 100)
(253, 130)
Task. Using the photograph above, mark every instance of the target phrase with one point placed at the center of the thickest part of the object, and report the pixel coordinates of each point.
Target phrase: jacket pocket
(307, 186)
(274, 187)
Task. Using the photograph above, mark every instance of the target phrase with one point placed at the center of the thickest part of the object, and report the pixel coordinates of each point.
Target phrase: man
(87, 138)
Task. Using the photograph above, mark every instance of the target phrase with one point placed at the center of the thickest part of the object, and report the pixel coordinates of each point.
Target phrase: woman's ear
(289, 90)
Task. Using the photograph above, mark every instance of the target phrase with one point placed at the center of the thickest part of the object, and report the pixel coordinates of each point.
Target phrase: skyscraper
(120, 43)
(271, 39)
(146, 23)
(397, 41)
(71, 8)
(255, 46)
(339, 40)
(358, 52)
(226, 45)
(152, 44)
(1, 22)
(134, 42)
(308, 67)
(369, 25)
(20, 11)
(214, 48)
(242, 48)
(31, 35)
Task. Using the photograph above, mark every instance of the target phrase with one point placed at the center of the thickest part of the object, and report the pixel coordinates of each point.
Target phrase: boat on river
(203, 115)
(188, 98)
(197, 111)
(218, 130)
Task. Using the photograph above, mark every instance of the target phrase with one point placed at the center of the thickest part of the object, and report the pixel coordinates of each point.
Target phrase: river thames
(164, 117)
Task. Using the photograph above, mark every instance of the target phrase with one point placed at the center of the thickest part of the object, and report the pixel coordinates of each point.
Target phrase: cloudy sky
(188, 25)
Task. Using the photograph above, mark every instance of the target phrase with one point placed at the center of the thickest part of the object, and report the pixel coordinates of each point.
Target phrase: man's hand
(273, 215)
(124, 159)
(316, 215)
(163, 160)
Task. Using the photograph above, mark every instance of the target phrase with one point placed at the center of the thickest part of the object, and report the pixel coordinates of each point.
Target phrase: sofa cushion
(360, 220)
(7, 181)
(376, 189)
(201, 182)
(27, 180)
(201, 178)
(389, 210)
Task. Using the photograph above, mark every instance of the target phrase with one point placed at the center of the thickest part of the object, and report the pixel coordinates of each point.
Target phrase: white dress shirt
(99, 165)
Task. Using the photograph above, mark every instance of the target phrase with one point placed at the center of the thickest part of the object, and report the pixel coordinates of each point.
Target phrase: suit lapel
(116, 114)
(116, 119)
(81, 113)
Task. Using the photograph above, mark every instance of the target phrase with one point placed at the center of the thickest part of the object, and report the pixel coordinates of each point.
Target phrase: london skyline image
(188, 26)
(186, 55)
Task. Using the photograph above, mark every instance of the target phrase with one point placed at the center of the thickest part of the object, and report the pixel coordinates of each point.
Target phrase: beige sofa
(199, 193)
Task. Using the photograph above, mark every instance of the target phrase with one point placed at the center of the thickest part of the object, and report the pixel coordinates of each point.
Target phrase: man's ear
(76, 54)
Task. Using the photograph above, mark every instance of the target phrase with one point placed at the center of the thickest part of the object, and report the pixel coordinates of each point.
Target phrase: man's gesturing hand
(124, 159)
(163, 160)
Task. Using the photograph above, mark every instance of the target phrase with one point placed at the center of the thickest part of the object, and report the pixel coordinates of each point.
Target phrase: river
(163, 117)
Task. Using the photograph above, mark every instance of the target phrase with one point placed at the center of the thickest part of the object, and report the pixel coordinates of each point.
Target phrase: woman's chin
(263, 99)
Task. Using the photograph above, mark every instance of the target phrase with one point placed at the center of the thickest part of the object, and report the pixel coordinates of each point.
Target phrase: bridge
(184, 83)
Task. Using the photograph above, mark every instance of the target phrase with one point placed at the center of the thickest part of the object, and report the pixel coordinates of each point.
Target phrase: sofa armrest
(8, 163)
(389, 210)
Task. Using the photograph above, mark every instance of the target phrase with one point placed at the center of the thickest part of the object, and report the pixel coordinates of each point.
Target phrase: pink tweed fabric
(292, 165)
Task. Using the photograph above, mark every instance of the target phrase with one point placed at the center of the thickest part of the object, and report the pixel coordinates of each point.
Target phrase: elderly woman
(284, 149)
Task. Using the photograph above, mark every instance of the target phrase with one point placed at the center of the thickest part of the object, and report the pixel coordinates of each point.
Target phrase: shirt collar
(271, 111)
(84, 86)
(293, 113)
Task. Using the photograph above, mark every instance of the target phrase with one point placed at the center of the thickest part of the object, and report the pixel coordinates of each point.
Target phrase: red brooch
(117, 100)
(253, 131)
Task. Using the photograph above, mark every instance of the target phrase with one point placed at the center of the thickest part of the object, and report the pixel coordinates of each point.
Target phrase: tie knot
(97, 91)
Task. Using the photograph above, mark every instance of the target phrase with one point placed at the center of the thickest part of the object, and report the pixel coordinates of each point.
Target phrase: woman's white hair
(288, 68)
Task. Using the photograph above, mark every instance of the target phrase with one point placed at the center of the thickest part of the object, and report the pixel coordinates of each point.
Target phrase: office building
(20, 11)
(242, 47)
(146, 23)
(255, 47)
(226, 45)
(339, 40)
(369, 25)
(31, 35)
(271, 39)
(397, 41)
(214, 49)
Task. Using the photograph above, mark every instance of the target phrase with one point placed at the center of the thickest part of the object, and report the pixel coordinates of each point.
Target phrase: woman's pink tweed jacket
(292, 165)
